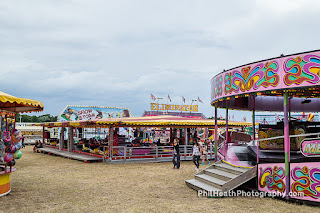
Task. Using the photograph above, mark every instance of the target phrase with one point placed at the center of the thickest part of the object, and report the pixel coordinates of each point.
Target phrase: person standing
(196, 154)
(176, 154)
(22, 142)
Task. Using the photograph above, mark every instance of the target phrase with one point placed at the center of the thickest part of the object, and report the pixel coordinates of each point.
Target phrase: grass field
(45, 183)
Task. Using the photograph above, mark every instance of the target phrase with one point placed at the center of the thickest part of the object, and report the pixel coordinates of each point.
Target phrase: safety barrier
(150, 153)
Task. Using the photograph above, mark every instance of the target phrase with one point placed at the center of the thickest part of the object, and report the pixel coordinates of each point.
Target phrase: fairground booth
(10, 143)
(283, 157)
(123, 138)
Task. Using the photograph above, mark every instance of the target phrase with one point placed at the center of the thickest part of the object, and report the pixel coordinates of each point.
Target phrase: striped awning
(14, 104)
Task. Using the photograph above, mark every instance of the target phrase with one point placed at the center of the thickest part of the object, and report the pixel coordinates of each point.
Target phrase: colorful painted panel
(83, 113)
(287, 72)
(305, 178)
(271, 178)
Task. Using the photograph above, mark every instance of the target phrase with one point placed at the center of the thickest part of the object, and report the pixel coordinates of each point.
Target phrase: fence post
(104, 153)
(157, 153)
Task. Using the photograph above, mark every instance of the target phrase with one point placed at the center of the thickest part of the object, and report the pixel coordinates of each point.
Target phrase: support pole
(227, 129)
(61, 144)
(215, 132)
(185, 142)
(286, 143)
(254, 124)
(71, 138)
(43, 135)
(289, 101)
(111, 143)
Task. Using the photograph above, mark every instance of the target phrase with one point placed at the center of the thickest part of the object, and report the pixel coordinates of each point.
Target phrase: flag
(153, 98)
(169, 98)
(310, 117)
(183, 99)
(199, 100)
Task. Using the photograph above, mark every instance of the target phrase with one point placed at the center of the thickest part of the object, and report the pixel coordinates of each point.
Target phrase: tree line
(36, 119)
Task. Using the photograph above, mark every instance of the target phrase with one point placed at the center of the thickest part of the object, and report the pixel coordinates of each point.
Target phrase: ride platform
(71, 155)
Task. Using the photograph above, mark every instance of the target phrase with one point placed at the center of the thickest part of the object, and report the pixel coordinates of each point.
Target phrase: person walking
(205, 152)
(196, 154)
(176, 154)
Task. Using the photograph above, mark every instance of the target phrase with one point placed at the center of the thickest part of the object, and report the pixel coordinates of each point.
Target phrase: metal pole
(227, 129)
(185, 142)
(254, 125)
(215, 132)
(111, 143)
(124, 153)
(104, 153)
(157, 153)
(286, 143)
(43, 135)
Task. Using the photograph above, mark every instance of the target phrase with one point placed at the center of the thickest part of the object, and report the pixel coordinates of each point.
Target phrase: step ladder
(220, 178)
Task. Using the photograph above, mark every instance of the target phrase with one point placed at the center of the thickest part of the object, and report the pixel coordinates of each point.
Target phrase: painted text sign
(166, 107)
(310, 148)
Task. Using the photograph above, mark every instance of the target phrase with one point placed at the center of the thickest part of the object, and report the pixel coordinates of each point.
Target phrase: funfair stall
(10, 142)
(285, 159)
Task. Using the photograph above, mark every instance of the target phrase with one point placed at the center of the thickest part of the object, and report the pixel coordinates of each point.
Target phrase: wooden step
(212, 181)
(226, 176)
(199, 185)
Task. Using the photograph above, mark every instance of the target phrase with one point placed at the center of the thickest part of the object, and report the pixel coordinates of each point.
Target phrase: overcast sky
(117, 53)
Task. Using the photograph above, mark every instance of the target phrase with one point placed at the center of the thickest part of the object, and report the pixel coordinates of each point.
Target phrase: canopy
(149, 121)
(13, 104)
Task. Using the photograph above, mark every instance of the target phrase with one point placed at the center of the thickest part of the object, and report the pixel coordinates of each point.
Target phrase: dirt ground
(44, 183)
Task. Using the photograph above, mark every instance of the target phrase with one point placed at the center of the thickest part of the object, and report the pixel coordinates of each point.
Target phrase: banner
(83, 113)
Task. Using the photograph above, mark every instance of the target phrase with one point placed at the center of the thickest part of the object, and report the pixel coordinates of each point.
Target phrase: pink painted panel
(305, 179)
(299, 70)
(271, 178)
(310, 148)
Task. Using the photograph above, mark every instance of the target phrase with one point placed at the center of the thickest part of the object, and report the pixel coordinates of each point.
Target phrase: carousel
(10, 143)
(282, 158)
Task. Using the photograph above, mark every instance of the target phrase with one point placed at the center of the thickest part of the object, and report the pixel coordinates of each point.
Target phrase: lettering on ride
(86, 114)
(172, 107)
(310, 148)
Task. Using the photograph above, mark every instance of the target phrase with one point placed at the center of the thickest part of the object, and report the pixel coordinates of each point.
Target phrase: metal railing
(152, 153)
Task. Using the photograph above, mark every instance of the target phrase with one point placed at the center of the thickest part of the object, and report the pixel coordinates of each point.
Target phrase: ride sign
(310, 148)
